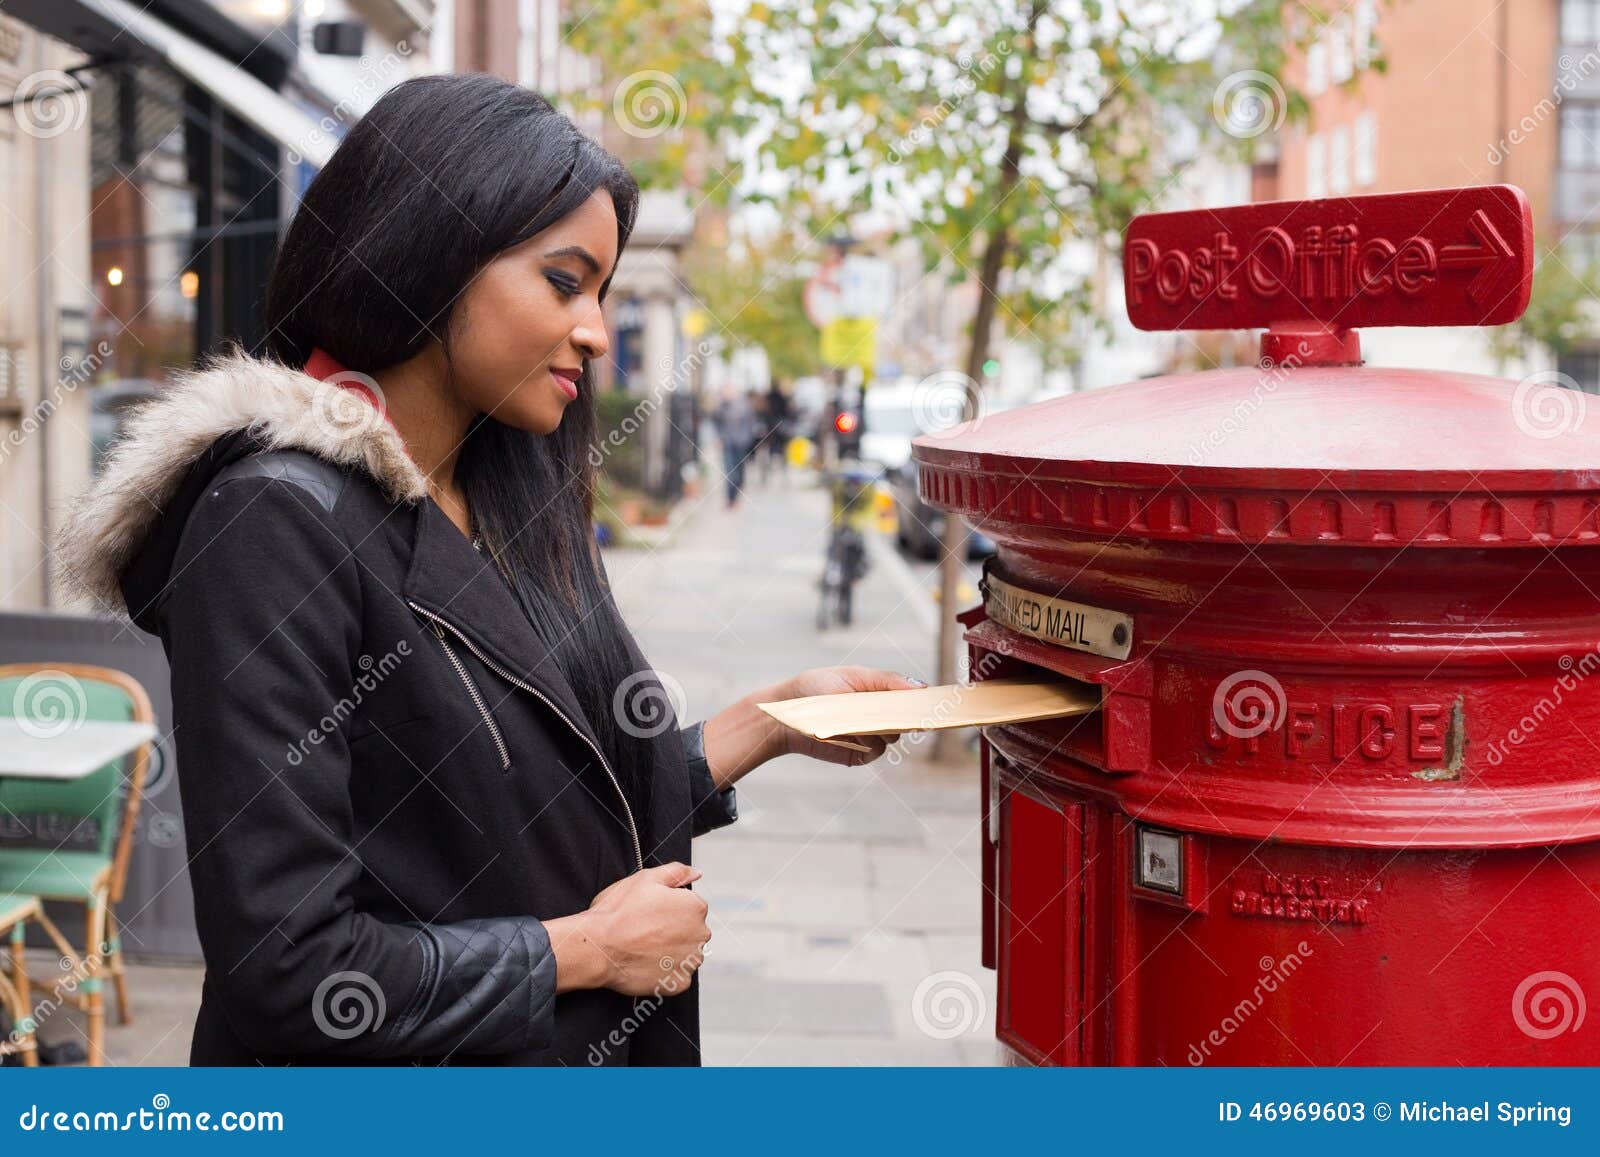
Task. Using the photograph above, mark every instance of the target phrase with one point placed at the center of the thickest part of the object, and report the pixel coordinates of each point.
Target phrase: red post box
(1341, 801)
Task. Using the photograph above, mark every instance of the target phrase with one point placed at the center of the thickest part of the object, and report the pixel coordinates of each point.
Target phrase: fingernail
(913, 679)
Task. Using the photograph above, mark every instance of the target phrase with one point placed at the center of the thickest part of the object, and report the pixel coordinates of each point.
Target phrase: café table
(37, 749)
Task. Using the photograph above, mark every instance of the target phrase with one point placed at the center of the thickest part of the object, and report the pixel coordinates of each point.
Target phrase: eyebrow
(579, 252)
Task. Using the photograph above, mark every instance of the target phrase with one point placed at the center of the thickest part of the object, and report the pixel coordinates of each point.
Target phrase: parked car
(891, 420)
(109, 403)
(919, 528)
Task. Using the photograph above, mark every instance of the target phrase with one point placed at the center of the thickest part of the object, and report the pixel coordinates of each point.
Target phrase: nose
(590, 335)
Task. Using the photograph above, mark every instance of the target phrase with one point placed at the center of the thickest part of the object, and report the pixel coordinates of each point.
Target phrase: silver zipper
(633, 830)
(477, 697)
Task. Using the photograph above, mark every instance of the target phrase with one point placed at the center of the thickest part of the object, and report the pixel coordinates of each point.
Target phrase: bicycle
(852, 489)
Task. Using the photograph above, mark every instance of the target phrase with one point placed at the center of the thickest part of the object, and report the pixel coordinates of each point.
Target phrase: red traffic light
(845, 422)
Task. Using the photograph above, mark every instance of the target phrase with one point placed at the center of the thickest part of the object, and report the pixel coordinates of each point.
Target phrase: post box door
(1040, 924)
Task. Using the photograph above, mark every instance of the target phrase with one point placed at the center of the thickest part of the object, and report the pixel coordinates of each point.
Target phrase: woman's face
(531, 318)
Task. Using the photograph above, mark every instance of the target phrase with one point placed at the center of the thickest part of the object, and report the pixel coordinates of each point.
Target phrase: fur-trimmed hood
(135, 510)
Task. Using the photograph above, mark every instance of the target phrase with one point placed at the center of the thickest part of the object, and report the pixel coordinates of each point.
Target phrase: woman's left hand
(744, 737)
(836, 681)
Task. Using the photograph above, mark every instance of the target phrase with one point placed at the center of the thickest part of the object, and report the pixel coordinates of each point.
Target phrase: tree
(1561, 310)
(753, 296)
(1005, 135)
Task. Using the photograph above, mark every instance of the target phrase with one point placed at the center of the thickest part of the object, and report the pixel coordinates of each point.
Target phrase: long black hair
(439, 177)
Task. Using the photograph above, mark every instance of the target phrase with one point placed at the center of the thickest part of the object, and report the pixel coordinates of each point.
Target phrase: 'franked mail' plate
(1059, 621)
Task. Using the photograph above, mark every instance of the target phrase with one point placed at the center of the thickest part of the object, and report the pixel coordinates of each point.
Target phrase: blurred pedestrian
(739, 430)
(775, 417)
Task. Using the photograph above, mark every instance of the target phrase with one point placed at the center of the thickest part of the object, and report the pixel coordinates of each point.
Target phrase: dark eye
(565, 286)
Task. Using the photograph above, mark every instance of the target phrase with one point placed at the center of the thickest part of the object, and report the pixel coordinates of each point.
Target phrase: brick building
(1470, 92)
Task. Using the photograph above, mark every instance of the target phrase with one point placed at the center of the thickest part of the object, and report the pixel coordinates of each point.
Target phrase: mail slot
(1341, 801)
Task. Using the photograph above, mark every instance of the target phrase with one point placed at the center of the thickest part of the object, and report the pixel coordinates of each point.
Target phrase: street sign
(820, 297)
(866, 286)
(1438, 257)
(856, 286)
(850, 341)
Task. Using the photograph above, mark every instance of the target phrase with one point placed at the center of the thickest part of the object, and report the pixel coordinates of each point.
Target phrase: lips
(567, 380)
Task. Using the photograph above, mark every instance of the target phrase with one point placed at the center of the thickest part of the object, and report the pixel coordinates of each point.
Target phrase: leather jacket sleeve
(713, 808)
(262, 622)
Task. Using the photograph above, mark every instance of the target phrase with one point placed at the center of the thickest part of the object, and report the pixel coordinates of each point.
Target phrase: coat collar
(450, 580)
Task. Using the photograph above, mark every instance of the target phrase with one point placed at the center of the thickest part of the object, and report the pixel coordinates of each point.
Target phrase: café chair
(15, 912)
(93, 877)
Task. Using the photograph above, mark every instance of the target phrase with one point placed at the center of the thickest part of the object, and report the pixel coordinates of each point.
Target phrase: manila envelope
(827, 717)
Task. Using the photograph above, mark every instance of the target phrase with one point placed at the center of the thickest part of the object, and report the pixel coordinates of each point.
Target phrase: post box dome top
(1320, 454)
(1296, 450)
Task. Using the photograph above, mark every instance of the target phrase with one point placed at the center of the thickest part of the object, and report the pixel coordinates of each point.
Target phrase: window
(528, 75)
(184, 221)
(1366, 32)
(1366, 158)
(1341, 64)
(1339, 160)
(1316, 166)
(1580, 136)
(1317, 67)
(1583, 367)
(1580, 21)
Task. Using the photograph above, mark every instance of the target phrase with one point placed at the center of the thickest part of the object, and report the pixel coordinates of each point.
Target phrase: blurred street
(840, 890)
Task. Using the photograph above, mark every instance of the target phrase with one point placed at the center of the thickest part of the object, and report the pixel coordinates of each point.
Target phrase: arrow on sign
(1492, 253)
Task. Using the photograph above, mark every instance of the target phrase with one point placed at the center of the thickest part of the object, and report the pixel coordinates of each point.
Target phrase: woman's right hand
(643, 935)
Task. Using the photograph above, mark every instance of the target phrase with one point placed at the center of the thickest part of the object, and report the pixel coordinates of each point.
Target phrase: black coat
(386, 783)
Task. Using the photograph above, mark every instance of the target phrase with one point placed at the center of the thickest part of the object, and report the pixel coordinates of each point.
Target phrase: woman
(436, 804)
